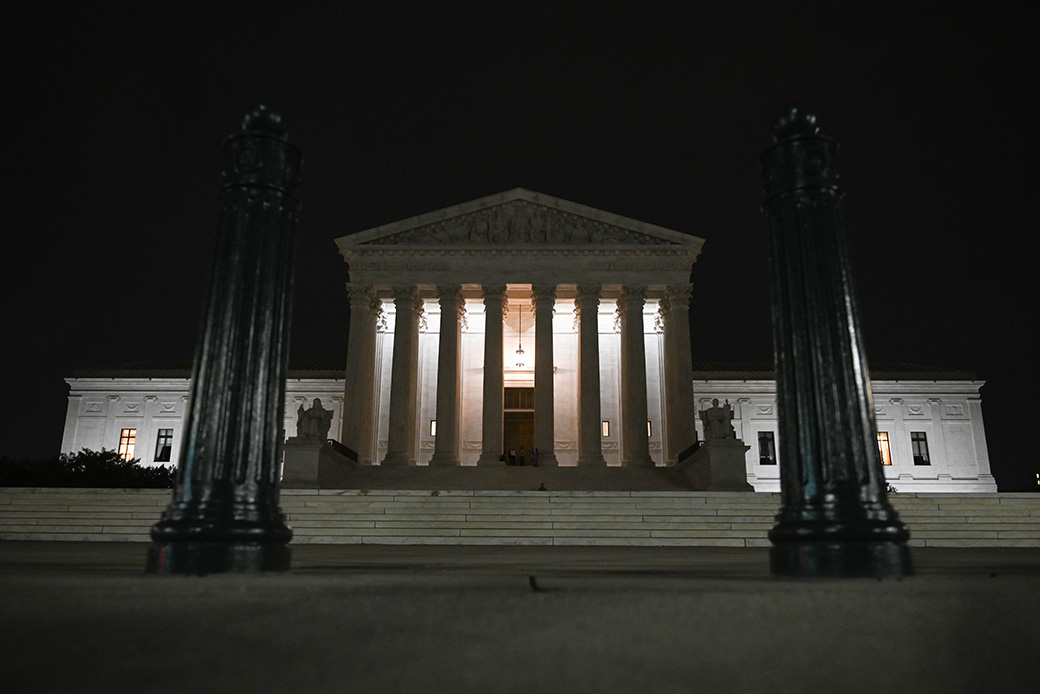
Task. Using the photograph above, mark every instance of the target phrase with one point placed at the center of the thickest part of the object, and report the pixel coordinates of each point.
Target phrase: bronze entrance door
(518, 422)
(519, 431)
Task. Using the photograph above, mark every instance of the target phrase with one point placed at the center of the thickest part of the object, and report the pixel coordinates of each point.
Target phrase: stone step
(562, 518)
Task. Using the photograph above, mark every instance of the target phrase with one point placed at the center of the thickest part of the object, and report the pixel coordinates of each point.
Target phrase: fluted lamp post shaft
(835, 519)
(225, 514)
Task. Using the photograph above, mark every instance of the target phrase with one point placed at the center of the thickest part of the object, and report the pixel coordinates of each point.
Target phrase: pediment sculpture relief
(520, 222)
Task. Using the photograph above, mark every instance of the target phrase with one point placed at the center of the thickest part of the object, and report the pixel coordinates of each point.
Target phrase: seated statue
(313, 423)
(718, 421)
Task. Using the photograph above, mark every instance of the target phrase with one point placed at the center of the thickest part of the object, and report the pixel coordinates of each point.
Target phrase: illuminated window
(604, 427)
(649, 428)
(886, 452)
(127, 439)
(163, 445)
(766, 448)
(919, 446)
(433, 427)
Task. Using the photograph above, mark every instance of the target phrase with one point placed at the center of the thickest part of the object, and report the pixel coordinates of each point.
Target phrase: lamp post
(835, 518)
(225, 515)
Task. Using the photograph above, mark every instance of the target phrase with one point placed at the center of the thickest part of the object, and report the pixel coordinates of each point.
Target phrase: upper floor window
(766, 448)
(127, 441)
(919, 446)
(163, 445)
(884, 448)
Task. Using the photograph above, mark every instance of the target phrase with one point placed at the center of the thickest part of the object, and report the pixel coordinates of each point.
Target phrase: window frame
(163, 445)
(918, 445)
(770, 438)
(127, 443)
(884, 448)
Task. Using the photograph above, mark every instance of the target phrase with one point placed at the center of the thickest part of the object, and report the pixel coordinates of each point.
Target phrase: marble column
(678, 370)
(446, 443)
(590, 446)
(635, 440)
(359, 381)
(494, 377)
(544, 297)
(400, 449)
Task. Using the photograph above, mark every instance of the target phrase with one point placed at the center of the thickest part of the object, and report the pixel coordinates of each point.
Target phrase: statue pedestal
(718, 466)
(314, 464)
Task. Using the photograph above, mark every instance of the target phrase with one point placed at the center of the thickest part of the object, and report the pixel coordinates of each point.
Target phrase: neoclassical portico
(519, 320)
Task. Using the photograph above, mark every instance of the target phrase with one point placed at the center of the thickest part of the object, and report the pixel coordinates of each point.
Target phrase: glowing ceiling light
(520, 338)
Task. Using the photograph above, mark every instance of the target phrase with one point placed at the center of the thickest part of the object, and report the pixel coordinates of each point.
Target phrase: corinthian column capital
(678, 296)
(543, 292)
(360, 294)
(450, 298)
(632, 296)
(587, 299)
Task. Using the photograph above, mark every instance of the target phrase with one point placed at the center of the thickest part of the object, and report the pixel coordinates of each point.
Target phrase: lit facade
(524, 321)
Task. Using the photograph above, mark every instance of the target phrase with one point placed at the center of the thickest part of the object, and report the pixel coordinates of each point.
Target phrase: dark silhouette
(836, 519)
(225, 514)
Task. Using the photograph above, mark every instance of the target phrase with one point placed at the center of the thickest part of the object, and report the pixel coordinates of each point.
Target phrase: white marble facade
(441, 304)
(148, 401)
(946, 408)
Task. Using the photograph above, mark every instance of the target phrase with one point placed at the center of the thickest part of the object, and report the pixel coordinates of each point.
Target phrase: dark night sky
(114, 117)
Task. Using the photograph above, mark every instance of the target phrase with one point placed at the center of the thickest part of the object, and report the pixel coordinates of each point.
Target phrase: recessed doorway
(518, 422)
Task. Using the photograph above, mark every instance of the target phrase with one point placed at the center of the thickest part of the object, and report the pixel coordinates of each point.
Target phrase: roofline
(531, 196)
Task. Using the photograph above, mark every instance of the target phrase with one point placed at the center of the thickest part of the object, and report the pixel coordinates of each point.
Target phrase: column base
(488, 459)
(841, 560)
(639, 462)
(201, 558)
(593, 461)
(395, 460)
(543, 460)
(443, 460)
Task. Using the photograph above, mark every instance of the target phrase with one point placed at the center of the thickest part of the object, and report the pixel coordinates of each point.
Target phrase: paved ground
(82, 617)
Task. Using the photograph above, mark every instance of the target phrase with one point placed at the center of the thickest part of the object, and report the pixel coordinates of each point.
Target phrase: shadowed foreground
(84, 617)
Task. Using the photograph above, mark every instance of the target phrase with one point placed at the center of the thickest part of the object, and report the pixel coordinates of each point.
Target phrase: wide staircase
(723, 519)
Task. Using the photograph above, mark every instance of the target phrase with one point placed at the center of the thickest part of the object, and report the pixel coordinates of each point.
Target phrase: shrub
(87, 468)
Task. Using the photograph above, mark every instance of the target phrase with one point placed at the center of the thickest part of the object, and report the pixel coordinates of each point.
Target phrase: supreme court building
(519, 320)
(524, 321)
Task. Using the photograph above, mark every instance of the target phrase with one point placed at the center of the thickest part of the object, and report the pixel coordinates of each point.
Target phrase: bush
(87, 468)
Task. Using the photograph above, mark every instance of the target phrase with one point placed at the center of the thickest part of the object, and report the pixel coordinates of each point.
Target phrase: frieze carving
(954, 411)
(417, 264)
(520, 222)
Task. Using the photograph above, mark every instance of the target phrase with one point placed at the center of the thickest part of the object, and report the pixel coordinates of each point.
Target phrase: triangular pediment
(518, 217)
